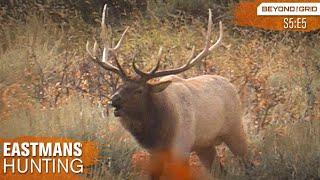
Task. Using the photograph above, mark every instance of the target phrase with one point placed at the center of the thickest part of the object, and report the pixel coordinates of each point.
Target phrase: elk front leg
(179, 163)
(170, 165)
(157, 165)
(206, 156)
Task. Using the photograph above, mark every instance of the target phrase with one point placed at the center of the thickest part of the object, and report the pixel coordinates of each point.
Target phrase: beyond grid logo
(288, 9)
(279, 16)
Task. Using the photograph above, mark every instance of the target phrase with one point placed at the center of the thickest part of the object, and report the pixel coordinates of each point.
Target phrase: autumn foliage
(48, 85)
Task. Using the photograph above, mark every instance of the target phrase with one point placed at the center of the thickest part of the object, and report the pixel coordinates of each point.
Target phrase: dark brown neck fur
(153, 128)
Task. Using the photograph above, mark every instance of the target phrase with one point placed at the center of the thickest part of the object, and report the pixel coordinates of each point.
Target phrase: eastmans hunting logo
(50, 157)
(40, 156)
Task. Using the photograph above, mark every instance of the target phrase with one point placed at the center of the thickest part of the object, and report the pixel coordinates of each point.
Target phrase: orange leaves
(162, 164)
(13, 97)
(179, 171)
(138, 159)
(170, 167)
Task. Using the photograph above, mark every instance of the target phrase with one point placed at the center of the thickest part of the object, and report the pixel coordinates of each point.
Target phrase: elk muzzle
(116, 102)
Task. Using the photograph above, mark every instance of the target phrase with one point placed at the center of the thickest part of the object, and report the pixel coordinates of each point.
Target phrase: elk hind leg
(237, 143)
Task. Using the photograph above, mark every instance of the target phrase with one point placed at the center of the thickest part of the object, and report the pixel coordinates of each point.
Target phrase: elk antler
(104, 61)
(191, 61)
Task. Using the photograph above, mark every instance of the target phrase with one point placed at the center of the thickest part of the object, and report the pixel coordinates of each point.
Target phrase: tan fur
(208, 112)
(194, 114)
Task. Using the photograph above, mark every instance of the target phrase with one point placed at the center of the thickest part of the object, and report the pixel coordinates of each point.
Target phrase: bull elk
(175, 114)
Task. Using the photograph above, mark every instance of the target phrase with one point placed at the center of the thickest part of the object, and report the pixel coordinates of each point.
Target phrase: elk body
(175, 114)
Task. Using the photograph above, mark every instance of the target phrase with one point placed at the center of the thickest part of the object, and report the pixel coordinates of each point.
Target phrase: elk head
(132, 95)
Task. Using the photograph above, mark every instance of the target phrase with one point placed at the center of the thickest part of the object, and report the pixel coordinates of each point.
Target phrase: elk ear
(160, 86)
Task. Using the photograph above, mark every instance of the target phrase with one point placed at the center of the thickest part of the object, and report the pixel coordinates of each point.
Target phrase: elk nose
(115, 100)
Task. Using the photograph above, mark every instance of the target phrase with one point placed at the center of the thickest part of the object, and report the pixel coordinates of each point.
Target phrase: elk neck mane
(154, 126)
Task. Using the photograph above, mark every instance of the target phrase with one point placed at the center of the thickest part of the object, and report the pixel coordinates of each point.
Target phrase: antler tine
(105, 54)
(95, 48)
(158, 61)
(92, 54)
(120, 40)
(118, 69)
(104, 65)
(209, 30)
(192, 60)
(114, 49)
(191, 55)
(138, 71)
(209, 48)
(103, 25)
(148, 75)
(89, 51)
(219, 39)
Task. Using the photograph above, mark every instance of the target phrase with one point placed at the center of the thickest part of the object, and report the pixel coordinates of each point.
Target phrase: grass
(279, 152)
(282, 152)
(286, 147)
(79, 119)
